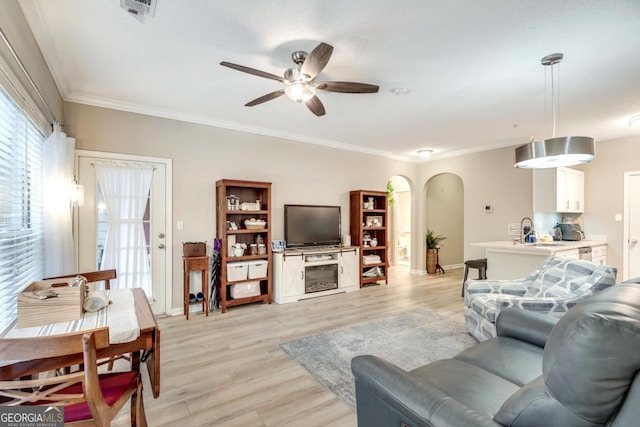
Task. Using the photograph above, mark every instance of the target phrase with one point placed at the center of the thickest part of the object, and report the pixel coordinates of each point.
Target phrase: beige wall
(15, 28)
(304, 173)
(488, 178)
(300, 173)
(604, 193)
(445, 215)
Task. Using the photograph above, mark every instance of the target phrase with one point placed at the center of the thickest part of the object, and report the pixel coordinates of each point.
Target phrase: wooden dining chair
(94, 277)
(88, 398)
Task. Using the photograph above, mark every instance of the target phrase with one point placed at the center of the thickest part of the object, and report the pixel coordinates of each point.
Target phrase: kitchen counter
(537, 248)
(506, 260)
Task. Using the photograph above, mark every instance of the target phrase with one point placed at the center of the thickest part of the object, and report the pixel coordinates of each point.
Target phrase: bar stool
(480, 265)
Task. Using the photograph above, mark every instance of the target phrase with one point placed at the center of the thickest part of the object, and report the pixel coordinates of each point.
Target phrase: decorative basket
(254, 224)
(51, 301)
(250, 206)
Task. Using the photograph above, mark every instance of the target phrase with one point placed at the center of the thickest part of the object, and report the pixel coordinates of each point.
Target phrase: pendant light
(556, 151)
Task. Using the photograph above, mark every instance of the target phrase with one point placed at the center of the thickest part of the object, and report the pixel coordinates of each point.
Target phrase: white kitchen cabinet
(568, 253)
(599, 254)
(573, 200)
(507, 261)
(558, 190)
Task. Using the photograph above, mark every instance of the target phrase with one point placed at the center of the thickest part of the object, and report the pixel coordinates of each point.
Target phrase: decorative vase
(431, 261)
(371, 204)
(238, 252)
(374, 242)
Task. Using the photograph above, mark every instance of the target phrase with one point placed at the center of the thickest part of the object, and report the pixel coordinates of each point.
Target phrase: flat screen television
(311, 225)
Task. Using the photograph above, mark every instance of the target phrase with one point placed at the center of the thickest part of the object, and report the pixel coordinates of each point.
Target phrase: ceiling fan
(300, 81)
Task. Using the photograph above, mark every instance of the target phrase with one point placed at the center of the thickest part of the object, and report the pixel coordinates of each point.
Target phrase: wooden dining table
(144, 349)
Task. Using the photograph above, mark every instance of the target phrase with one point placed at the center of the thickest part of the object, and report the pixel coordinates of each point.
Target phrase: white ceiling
(472, 68)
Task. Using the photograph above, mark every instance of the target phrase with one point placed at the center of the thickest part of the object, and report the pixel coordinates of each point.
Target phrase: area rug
(409, 340)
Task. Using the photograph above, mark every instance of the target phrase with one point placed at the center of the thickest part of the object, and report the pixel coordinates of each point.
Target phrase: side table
(196, 263)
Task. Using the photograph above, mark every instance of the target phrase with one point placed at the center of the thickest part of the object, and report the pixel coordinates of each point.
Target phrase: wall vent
(140, 9)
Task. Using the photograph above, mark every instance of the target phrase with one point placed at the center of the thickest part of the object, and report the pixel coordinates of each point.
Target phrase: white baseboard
(446, 267)
(176, 311)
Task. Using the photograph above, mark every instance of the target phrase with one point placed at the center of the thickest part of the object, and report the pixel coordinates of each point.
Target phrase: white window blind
(21, 211)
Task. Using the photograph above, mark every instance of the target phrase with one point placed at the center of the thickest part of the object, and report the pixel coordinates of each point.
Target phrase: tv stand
(305, 273)
(307, 249)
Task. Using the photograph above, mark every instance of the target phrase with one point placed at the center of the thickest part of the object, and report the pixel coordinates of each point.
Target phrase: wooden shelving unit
(245, 192)
(370, 222)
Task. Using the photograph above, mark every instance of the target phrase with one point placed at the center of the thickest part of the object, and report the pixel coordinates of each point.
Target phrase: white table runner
(119, 316)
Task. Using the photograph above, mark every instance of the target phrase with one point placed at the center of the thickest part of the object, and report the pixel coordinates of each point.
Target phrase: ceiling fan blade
(315, 106)
(316, 60)
(347, 87)
(253, 71)
(265, 98)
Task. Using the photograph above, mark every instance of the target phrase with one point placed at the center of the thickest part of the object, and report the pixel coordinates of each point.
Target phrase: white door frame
(168, 213)
(626, 225)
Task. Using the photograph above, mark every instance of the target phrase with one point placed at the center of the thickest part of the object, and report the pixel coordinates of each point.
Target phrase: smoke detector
(140, 9)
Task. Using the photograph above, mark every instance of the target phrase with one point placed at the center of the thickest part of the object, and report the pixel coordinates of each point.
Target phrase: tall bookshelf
(245, 193)
(369, 218)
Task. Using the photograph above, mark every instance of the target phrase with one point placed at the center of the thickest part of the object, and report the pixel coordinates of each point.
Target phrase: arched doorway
(400, 224)
(445, 216)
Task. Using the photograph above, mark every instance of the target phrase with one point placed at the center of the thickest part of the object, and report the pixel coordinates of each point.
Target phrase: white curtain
(58, 180)
(125, 187)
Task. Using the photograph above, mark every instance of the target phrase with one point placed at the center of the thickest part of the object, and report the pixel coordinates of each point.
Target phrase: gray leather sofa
(579, 372)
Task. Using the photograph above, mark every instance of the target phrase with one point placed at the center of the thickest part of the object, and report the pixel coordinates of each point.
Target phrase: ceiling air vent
(140, 9)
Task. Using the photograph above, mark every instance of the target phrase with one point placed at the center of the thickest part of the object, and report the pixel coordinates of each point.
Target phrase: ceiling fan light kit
(300, 91)
(555, 151)
(400, 91)
(300, 81)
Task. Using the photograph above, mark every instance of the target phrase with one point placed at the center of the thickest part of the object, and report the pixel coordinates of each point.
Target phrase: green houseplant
(390, 193)
(433, 243)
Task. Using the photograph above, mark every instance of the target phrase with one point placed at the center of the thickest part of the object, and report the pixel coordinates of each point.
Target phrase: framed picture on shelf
(373, 221)
(277, 245)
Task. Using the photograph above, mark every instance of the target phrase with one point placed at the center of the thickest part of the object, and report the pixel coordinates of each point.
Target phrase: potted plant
(433, 243)
(390, 193)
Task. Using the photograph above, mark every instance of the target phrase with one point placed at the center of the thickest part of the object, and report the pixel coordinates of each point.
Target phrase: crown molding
(43, 38)
(478, 149)
(208, 121)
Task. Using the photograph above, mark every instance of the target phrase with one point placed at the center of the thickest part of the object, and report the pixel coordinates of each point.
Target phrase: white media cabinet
(309, 273)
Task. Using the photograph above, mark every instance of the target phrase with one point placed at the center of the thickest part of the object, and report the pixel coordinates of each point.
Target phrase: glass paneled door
(128, 235)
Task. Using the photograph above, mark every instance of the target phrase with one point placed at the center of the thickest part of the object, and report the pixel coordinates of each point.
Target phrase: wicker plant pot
(431, 261)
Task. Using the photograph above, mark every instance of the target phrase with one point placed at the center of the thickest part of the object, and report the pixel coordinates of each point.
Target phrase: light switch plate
(619, 217)
(180, 225)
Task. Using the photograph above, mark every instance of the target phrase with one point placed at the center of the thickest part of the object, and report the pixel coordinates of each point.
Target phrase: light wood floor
(228, 369)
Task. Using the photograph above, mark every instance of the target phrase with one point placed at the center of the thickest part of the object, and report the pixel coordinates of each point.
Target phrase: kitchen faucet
(523, 236)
